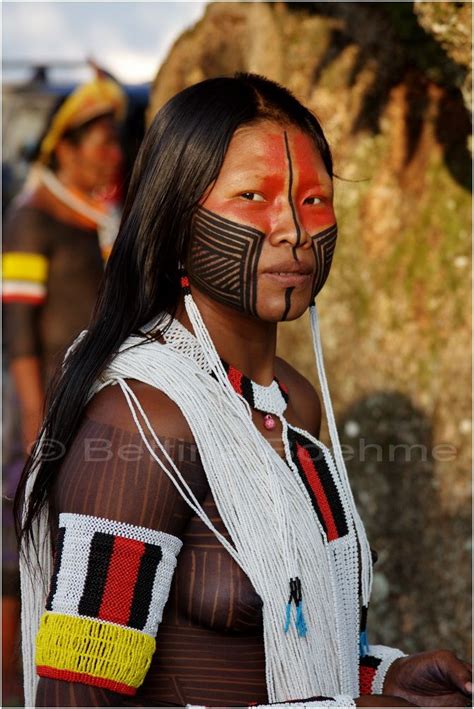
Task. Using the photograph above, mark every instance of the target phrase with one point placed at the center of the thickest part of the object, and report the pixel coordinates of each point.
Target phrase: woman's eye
(252, 196)
(313, 200)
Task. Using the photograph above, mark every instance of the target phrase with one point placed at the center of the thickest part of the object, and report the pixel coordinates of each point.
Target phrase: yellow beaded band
(92, 652)
(19, 265)
(24, 277)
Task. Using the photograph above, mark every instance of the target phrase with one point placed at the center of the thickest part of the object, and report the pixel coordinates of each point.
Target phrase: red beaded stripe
(121, 579)
(314, 481)
(366, 679)
(367, 670)
(84, 678)
(235, 378)
(18, 298)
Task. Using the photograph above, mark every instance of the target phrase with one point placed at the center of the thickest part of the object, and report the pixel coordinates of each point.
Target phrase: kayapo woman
(179, 471)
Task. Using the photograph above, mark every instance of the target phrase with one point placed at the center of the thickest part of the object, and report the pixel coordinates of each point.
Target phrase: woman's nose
(287, 226)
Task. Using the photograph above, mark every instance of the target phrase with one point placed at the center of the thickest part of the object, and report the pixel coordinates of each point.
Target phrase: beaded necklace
(270, 400)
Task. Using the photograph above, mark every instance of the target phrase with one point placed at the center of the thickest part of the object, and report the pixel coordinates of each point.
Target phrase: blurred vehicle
(28, 104)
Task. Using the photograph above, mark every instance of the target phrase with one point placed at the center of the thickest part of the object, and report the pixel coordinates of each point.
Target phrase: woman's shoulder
(109, 406)
(110, 472)
(303, 396)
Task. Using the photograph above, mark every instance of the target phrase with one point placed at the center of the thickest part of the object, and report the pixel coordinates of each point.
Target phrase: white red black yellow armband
(374, 666)
(110, 583)
(24, 277)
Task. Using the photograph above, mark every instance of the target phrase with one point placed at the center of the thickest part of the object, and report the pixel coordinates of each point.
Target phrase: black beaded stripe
(246, 385)
(247, 390)
(57, 564)
(327, 482)
(144, 586)
(100, 553)
(370, 661)
(306, 699)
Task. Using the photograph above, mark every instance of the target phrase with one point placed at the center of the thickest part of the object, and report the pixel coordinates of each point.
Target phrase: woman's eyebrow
(252, 174)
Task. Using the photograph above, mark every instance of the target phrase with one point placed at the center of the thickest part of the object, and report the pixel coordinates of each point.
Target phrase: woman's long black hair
(180, 157)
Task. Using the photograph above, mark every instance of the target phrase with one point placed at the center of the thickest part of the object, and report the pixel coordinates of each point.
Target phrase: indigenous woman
(179, 472)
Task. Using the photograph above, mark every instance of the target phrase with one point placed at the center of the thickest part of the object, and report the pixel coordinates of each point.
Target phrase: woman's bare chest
(209, 588)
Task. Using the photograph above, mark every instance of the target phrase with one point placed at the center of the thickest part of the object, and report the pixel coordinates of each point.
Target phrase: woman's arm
(25, 265)
(108, 474)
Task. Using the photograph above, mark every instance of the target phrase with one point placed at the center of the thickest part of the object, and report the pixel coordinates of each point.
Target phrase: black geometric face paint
(323, 244)
(290, 197)
(223, 260)
(289, 291)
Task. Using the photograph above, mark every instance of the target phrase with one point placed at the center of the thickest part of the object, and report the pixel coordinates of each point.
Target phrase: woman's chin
(274, 310)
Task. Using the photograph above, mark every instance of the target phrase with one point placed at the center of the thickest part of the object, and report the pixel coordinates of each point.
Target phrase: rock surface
(389, 82)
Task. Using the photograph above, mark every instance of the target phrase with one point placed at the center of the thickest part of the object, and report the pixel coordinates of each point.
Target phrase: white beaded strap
(366, 556)
(387, 655)
(174, 474)
(339, 701)
(203, 337)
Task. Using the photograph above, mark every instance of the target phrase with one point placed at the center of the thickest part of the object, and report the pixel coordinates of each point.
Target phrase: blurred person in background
(58, 233)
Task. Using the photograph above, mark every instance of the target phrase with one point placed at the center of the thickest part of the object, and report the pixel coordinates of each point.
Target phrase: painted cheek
(316, 218)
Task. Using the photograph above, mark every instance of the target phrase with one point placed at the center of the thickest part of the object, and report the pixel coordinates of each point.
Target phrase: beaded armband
(374, 666)
(317, 702)
(110, 583)
(24, 277)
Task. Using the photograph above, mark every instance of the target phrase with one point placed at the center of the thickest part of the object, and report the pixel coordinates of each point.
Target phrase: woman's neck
(245, 342)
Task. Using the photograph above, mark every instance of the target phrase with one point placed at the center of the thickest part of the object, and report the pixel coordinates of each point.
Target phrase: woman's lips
(288, 279)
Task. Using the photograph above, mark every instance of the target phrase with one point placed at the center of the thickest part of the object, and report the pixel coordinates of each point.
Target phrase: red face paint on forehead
(258, 161)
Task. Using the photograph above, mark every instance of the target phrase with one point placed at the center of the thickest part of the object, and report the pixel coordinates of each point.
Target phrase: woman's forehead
(268, 148)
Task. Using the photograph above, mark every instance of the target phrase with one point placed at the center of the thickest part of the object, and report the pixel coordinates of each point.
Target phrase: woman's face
(265, 233)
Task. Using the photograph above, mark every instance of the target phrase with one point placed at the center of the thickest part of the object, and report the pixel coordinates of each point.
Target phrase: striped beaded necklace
(269, 400)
